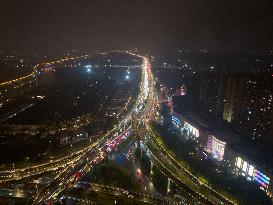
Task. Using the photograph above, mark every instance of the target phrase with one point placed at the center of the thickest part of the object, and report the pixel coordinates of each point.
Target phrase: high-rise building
(243, 101)
(212, 94)
(231, 95)
(253, 97)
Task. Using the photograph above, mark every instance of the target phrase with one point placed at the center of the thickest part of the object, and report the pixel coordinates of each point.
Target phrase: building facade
(245, 102)
(220, 146)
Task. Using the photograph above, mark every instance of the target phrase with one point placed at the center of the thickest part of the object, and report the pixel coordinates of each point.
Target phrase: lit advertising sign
(250, 170)
(244, 166)
(262, 179)
(239, 162)
(176, 120)
(191, 130)
(216, 147)
(251, 173)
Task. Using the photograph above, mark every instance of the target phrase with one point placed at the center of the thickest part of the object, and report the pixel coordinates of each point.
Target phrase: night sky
(55, 26)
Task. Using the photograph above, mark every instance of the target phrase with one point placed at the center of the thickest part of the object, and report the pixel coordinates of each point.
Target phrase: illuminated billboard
(190, 130)
(239, 162)
(250, 170)
(262, 179)
(252, 173)
(244, 166)
(216, 147)
(176, 121)
(185, 127)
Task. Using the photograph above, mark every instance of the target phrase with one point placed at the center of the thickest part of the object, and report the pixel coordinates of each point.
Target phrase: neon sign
(261, 178)
(176, 120)
(216, 147)
(187, 127)
(255, 175)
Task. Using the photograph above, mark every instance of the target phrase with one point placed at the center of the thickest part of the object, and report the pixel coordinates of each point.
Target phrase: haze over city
(136, 102)
(57, 26)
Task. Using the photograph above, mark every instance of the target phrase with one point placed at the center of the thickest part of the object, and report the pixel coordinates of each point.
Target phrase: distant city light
(88, 66)
(127, 77)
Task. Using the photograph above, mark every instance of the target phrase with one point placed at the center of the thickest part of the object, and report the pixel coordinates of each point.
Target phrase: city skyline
(136, 102)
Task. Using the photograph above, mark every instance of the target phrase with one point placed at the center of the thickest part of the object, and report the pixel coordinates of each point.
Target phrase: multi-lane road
(168, 164)
(79, 163)
(87, 159)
